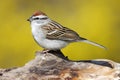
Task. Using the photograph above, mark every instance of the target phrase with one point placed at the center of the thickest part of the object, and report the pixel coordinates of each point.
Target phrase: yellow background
(96, 20)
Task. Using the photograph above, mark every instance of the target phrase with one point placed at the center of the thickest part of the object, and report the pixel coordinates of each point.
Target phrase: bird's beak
(28, 19)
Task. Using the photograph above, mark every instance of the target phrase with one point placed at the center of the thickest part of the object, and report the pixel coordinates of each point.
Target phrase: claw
(45, 51)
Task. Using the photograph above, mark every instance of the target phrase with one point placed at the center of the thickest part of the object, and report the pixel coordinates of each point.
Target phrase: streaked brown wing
(61, 33)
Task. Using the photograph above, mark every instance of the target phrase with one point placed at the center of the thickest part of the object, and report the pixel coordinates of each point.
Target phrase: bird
(51, 35)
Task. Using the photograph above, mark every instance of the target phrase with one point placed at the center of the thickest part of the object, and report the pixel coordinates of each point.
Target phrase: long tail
(93, 43)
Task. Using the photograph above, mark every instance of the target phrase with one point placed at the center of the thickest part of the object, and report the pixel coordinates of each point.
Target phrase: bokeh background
(96, 20)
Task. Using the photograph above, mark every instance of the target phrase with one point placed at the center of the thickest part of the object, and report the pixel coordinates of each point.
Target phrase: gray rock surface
(50, 66)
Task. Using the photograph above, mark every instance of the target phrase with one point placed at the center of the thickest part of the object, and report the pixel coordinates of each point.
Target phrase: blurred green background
(96, 20)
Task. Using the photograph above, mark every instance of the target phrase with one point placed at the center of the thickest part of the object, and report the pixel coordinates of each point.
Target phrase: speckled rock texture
(54, 66)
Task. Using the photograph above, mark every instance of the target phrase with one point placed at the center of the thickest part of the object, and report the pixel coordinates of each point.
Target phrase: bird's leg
(57, 53)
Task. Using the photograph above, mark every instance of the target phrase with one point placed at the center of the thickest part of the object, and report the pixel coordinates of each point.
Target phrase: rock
(54, 66)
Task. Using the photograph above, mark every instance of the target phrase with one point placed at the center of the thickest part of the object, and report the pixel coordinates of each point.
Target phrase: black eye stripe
(44, 18)
(35, 18)
(40, 18)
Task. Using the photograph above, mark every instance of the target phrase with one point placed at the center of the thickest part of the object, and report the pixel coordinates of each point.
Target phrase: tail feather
(93, 43)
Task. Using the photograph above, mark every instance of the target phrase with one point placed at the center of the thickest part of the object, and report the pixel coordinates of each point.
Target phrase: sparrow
(51, 35)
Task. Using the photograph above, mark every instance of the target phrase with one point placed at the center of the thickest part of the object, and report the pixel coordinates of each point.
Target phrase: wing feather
(55, 31)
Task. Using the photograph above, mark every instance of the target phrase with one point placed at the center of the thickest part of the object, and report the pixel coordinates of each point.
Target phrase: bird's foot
(45, 51)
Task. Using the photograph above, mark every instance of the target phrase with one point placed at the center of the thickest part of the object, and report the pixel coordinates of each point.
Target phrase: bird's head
(38, 18)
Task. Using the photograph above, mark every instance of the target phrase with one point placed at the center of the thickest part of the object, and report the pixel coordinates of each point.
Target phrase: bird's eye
(44, 18)
(36, 18)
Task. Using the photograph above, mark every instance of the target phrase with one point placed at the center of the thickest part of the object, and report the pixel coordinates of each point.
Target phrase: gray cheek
(38, 22)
